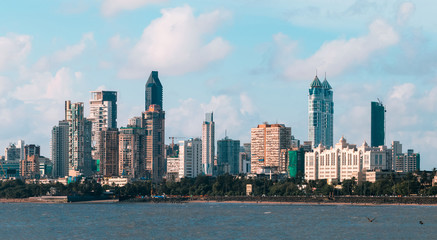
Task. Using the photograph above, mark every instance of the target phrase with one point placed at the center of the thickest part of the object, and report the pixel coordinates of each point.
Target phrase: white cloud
(112, 7)
(285, 49)
(186, 119)
(400, 96)
(5, 85)
(340, 55)
(117, 42)
(247, 106)
(14, 49)
(405, 11)
(72, 51)
(44, 85)
(66, 54)
(175, 43)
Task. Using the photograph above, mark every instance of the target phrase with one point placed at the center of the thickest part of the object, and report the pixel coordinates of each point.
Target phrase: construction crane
(172, 140)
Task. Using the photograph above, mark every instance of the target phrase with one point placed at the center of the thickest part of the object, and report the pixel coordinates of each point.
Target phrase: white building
(190, 158)
(343, 161)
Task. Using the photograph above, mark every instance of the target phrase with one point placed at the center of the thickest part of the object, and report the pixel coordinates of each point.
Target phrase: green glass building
(296, 160)
(377, 125)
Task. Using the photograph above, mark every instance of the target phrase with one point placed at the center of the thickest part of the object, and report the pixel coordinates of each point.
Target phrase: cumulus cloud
(14, 49)
(44, 85)
(247, 106)
(117, 42)
(112, 7)
(66, 54)
(340, 55)
(405, 11)
(72, 51)
(176, 43)
(227, 115)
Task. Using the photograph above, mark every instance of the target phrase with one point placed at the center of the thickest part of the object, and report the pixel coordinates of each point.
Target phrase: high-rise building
(320, 113)
(208, 144)
(79, 141)
(244, 160)
(103, 114)
(407, 162)
(190, 158)
(228, 152)
(132, 151)
(29, 166)
(377, 133)
(267, 141)
(108, 153)
(154, 125)
(153, 91)
(59, 149)
(12, 153)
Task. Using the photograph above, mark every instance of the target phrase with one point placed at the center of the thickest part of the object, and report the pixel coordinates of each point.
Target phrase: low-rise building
(343, 161)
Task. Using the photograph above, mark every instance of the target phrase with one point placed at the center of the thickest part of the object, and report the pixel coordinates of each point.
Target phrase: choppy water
(214, 221)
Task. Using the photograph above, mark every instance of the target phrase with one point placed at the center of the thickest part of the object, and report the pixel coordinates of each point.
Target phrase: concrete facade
(267, 141)
(154, 125)
(343, 161)
(208, 144)
(190, 158)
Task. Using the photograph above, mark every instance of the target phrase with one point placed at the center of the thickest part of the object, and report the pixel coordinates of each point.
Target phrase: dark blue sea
(214, 221)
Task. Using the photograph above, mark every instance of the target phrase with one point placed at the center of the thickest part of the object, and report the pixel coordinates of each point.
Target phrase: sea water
(215, 221)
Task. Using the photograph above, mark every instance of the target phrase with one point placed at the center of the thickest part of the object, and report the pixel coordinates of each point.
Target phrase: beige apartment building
(267, 141)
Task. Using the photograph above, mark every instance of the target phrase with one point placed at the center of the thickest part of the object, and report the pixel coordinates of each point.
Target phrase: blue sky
(249, 61)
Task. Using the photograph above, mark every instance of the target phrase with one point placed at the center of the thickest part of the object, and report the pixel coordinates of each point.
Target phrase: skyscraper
(108, 151)
(208, 146)
(103, 115)
(228, 152)
(377, 124)
(154, 125)
(132, 151)
(79, 142)
(59, 149)
(320, 113)
(267, 141)
(153, 91)
(29, 166)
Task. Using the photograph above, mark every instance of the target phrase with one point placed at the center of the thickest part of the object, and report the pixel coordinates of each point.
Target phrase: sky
(248, 61)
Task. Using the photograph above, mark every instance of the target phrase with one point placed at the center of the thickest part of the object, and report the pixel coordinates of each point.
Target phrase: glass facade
(377, 125)
(320, 113)
(153, 91)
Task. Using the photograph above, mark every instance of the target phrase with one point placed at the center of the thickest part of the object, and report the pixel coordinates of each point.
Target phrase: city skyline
(250, 78)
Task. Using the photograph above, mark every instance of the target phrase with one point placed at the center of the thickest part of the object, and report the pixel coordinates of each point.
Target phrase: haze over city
(247, 61)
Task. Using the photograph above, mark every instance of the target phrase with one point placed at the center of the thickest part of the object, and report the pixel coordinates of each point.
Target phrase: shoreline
(311, 203)
(230, 201)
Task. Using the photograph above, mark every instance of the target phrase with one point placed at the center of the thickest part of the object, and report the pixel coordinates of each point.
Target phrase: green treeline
(227, 185)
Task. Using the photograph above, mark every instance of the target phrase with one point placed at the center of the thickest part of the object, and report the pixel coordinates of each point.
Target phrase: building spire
(326, 84)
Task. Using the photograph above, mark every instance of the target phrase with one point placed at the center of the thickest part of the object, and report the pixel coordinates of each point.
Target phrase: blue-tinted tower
(320, 113)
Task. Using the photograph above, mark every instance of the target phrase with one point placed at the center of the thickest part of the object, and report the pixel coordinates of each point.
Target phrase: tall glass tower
(153, 91)
(320, 113)
(377, 124)
(208, 144)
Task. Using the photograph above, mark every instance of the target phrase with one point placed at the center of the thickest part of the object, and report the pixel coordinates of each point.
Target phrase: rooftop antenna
(316, 72)
(226, 134)
(325, 75)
